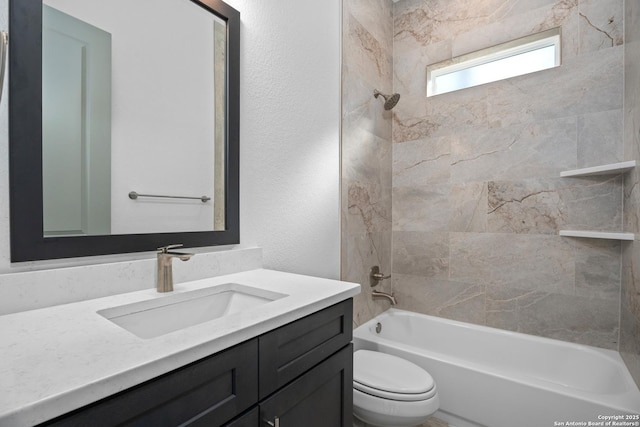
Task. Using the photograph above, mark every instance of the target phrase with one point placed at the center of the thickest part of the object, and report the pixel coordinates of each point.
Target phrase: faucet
(379, 294)
(375, 277)
(165, 269)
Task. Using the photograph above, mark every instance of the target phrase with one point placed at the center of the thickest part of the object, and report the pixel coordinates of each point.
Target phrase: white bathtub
(495, 378)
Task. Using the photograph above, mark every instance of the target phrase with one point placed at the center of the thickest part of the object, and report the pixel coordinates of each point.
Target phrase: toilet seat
(414, 397)
(390, 391)
(390, 377)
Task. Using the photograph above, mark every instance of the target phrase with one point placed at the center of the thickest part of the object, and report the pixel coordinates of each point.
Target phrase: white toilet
(391, 392)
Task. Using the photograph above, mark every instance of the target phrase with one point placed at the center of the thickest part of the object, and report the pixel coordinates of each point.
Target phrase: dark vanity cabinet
(297, 375)
(321, 397)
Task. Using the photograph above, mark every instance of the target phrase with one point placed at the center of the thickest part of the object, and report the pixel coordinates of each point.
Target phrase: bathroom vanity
(287, 362)
(313, 354)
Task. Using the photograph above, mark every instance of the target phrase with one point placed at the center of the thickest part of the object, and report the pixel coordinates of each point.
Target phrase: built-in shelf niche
(608, 169)
(598, 235)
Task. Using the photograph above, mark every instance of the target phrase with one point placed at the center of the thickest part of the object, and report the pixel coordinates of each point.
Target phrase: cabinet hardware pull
(274, 423)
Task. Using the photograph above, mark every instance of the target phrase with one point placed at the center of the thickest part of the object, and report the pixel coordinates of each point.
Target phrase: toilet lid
(390, 375)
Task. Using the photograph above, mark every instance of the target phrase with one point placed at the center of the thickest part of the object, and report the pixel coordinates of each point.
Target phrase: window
(522, 56)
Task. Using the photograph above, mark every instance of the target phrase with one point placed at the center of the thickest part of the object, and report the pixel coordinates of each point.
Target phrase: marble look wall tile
(365, 53)
(469, 206)
(575, 319)
(586, 84)
(503, 305)
(500, 200)
(516, 152)
(361, 111)
(630, 309)
(534, 206)
(531, 262)
(376, 16)
(369, 208)
(366, 148)
(421, 208)
(598, 266)
(600, 138)
(594, 204)
(417, 117)
(367, 157)
(631, 218)
(630, 292)
(419, 23)
(632, 152)
(410, 68)
(601, 24)
(422, 162)
(363, 251)
(566, 317)
(545, 206)
(453, 300)
(421, 254)
(551, 14)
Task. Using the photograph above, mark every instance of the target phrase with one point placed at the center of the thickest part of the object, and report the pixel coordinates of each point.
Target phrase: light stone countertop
(57, 359)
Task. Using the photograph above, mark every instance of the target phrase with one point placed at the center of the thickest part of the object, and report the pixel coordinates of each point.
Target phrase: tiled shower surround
(366, 148)
(462, 193)
(630, 311)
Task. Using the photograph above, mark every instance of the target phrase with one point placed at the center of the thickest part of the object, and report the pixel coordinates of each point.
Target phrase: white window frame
(499, 52)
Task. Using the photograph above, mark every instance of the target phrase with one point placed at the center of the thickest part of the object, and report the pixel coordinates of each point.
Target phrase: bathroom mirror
(123, 126)
(525, 55)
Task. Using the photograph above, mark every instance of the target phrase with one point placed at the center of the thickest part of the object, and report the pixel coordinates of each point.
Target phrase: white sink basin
(159, 316)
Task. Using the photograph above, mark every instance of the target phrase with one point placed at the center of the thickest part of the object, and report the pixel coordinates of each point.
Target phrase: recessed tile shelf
(597, 235)
(610, 169)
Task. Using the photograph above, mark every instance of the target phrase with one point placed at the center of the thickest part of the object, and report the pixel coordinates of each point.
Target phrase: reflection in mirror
(529, 54)
(136, 97)
(76, 126)
(126, 107)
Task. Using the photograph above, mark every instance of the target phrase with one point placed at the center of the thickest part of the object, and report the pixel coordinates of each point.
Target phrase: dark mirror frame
(25, 149)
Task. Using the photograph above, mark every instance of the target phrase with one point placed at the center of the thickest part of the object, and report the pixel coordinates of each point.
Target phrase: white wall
(290, 113)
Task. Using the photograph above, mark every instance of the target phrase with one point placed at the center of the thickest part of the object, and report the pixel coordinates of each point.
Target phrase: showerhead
(390, 101)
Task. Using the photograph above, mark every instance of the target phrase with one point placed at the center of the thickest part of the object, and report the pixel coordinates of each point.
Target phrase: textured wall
(630, 307)
(290, 133)
(477, 198)
(366, 148)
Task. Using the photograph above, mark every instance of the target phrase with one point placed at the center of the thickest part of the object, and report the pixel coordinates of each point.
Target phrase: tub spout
(390, 297)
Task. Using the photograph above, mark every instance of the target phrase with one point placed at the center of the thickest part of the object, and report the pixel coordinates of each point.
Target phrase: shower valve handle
(375, 276)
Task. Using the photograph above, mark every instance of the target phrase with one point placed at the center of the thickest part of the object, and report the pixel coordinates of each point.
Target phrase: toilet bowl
(391, 392)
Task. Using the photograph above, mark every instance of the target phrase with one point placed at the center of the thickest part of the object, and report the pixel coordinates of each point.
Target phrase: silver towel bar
(134, 195)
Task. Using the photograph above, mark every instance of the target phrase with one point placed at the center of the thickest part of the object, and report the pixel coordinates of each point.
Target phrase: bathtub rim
(621, 401)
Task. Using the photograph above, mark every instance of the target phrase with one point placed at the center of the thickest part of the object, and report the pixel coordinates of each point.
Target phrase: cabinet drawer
(290, 350)
(208, 392)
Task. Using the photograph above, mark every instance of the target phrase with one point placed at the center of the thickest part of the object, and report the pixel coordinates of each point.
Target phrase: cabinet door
(208, 392)
(323, 397)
